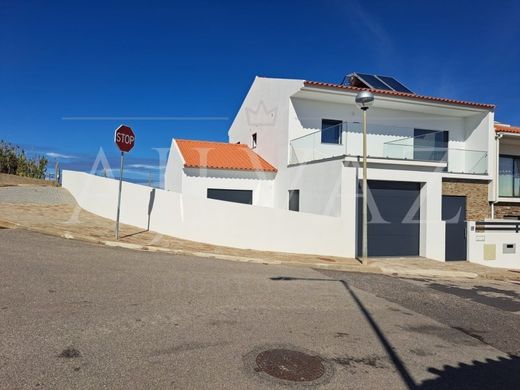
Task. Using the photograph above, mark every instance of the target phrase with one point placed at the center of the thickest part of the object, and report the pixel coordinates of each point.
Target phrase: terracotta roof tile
(401, 94)
(220, 155)
(507, 129)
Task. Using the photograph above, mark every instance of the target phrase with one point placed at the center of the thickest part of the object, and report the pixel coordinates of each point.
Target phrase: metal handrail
(482, 226)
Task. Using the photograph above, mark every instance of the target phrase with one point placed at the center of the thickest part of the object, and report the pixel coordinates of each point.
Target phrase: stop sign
(124, 138)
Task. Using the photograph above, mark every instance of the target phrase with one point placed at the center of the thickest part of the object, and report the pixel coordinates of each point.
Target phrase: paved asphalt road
(75, 315)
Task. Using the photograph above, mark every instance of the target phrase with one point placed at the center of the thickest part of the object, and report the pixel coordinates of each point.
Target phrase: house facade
(433, 163)
(506, 195)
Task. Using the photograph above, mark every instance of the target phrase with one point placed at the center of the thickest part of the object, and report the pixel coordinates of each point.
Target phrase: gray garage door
(237, 196)
(393, 229)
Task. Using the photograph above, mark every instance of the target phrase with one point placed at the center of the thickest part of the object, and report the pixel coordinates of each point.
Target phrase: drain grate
(290, 365)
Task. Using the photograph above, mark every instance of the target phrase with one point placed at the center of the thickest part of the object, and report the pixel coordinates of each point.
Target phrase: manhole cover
(290, 365)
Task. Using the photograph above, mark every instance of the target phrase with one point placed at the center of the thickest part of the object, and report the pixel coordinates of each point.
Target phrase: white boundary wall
(210, 221)
(477, 241)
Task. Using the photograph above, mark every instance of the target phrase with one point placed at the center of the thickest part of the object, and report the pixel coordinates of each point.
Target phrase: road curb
(378, 268)
(428, 273)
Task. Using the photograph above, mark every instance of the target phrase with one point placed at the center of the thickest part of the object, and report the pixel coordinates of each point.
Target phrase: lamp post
(364, 100)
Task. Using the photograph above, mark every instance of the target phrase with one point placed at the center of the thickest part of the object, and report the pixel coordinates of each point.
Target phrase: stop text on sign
(125, 138)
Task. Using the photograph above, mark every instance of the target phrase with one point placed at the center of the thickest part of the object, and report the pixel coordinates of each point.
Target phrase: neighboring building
(296, 145)
(506, 196)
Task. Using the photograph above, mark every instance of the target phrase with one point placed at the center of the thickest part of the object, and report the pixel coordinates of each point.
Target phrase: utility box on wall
(509, 249)
(490, 252)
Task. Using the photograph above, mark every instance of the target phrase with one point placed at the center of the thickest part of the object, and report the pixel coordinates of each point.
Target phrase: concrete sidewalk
(53, 211)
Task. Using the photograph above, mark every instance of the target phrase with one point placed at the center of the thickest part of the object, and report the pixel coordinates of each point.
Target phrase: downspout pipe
(498, 137)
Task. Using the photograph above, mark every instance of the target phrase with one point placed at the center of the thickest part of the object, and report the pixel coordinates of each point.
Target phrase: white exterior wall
(480, 135)
(173, 173)
(510, 147)
(207, 220)
(265, 112)
(195, 182)
(319, 185)
(477, 241)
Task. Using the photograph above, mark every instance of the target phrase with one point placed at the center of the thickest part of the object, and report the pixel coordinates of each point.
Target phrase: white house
(296, 145)
(444, 177)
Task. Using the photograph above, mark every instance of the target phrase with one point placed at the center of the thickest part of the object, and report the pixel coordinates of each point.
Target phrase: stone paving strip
(52, 210)
(36, 195)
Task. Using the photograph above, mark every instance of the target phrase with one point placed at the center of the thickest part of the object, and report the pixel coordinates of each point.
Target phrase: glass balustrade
(387, 142)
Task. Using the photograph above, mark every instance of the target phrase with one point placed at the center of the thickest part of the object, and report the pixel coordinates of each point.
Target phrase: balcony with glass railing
(388, 143)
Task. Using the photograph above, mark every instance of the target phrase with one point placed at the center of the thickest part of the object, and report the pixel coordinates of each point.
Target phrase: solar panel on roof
(394, 84)
(387, 83)
(372, 81)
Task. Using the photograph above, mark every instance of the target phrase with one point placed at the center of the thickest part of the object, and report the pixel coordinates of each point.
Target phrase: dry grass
(13, 180)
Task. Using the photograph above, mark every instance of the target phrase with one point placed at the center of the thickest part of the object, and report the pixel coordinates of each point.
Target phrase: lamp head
(364, 100)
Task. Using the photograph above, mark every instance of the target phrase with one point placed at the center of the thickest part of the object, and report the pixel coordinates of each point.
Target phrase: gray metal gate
(393, 219)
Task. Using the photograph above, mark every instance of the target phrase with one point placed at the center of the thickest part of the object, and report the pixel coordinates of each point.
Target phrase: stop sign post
(124, 138)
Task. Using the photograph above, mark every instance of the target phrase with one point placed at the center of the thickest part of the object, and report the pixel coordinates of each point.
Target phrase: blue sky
(62, 61)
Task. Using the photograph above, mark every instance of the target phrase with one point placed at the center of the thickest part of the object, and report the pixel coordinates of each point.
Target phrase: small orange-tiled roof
(507, 129)
(400, 94)
(220, 155)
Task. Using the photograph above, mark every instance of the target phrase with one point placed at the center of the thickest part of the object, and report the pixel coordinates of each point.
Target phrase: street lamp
(364, 100)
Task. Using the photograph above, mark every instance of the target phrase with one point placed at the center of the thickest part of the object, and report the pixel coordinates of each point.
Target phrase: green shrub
(14, 161)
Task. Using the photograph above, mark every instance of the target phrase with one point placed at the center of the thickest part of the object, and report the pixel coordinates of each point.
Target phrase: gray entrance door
(454, 213)
(393, 219)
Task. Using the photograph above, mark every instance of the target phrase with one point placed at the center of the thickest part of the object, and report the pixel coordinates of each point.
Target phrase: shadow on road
(503, 374)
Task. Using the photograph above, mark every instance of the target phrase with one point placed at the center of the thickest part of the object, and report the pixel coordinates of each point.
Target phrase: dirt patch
(371, 360)
(70, 353)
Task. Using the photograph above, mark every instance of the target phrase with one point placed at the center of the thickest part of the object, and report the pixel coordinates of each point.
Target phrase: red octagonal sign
(124, 138)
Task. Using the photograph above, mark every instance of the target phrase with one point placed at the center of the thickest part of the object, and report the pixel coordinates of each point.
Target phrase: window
(294, 200)
(236, 196)
(430, 145)
(253, 141)
(509, 176)
(331, 131)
